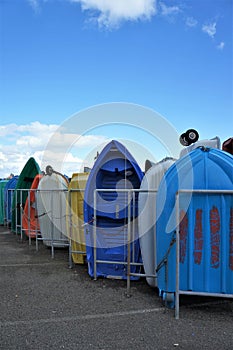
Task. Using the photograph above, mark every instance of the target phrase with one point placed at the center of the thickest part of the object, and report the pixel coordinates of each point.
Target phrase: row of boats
(172, 223)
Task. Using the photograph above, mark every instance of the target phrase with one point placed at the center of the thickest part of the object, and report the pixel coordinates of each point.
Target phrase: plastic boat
(106, 212)
(26, 177)
(30, 221)
(75, 220)
(203, 215)
(51, 202)
(147, 216)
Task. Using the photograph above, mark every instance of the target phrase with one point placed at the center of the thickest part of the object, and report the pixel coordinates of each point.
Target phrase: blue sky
(59, 57)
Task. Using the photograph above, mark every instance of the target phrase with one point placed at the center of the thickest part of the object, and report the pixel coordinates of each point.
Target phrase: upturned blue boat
(8, 196)
(202, 213)
(114, 169)
(2, 204)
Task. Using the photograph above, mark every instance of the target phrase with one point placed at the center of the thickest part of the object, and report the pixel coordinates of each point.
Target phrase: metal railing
(53, 241)
(131, 233)
(72, 227)
(9, 199)
(178, 291)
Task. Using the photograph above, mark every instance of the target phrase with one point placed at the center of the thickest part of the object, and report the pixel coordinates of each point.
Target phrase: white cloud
(20, 142)
(3, 157)
(34, 128)
(62, 140)
(110, 13)
(65, 149)
(30, 142)
(221, 45)
(34, 4)
(37, 128)
(169, 10)
(191, 22)
(210, 29)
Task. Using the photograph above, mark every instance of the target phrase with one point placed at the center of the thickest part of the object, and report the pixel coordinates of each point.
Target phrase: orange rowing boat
(30, 221)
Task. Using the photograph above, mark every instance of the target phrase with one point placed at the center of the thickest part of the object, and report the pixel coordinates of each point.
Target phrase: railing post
(177, 296)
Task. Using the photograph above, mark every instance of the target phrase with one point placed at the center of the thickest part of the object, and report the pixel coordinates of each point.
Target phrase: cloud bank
(108, 13)
(20, 142)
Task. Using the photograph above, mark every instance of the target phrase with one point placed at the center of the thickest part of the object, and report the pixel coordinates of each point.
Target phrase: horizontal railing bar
(185, 292)
(206, 191)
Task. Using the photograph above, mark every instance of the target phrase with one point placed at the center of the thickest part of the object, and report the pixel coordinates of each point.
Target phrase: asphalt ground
(46, 305)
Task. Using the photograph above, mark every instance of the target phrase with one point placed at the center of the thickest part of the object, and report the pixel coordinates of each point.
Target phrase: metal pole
(128, 246)
(70, 229)
(133, 227)
(177, 258)
(7, 207)
(20, 214)
(94, 238)
(29, 218)
(37, 221)
(16, 200)
(61, 219)
(207, 191)
(52, 226)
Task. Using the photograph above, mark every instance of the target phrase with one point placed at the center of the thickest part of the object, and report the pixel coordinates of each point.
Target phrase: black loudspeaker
(189, 137)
